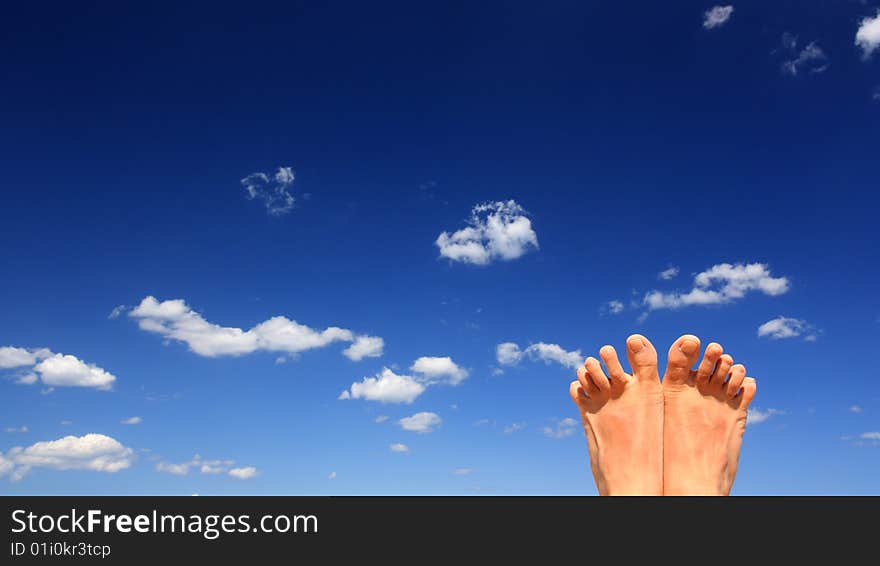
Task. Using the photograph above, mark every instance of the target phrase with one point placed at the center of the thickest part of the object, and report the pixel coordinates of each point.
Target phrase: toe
(586, 383)
(682, 356)
(725, 362)
(710, 360)
(577, 393)
(642, 357)
(594, 369)
(615, 370)
(737, 376)
(749, 387)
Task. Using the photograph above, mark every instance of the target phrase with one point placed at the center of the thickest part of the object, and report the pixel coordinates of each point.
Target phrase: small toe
(612, 362)
(725, 362)
(587, 384)
(682, 356)
(750, 388)
(737, 376)
(710, 360)
(577, 393)
(594, 369)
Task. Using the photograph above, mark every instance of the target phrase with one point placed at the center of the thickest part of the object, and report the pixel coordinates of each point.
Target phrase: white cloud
(385, 387)
(669, 273)
(365, 347)
(439, 370)
(855, 409)
(132, 421)
(245, 473)
(175, 320)
(716, 16)
(786, 327)
(514, 427)
(381, 418)
(756, 415)
(721, 284)
(207, 467)
(421, 423)
(27, 379)
(272, 190)
(565, 427)
(331, 476)
(62, 370)
(811, 58)
(613, 307)
(95, 452)
(117, 311)
(870, 436)
(12, 357)
(868, 35)
(510, 354)
(496, 231)
(462, 471)
(399, 448)
(16, 429)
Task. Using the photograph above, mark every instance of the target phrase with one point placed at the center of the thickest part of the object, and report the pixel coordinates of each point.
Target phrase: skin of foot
(705, 412)
(622, 415)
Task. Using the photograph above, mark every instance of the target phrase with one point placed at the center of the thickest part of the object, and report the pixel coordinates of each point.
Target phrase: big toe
(682, 356)
(642, 357)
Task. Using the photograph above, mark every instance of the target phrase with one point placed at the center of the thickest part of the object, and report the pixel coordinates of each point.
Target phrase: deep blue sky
(635, 139)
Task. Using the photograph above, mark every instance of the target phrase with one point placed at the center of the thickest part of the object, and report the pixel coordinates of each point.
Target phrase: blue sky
(631, 139)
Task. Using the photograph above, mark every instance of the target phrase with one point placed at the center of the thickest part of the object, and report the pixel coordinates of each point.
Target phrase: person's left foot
(623, 419)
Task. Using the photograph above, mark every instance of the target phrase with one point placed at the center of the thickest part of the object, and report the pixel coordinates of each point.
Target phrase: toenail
(689, 347)
(636, 345)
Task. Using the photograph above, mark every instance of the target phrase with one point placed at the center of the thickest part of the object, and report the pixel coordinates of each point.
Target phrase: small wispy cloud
(716, 16)
(272, 190)
(669, 273)
(132, 421)
(16, 429)
(855, 409)
(757, 415)
(810, 59)
(510, 354)
(564, 428)
(612, 307)
(421, 423)
(399, 448)
(786, 327)
(462, 471)
(514, 427)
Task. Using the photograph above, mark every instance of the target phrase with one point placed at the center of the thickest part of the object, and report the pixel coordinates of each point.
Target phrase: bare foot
(704, 419)
(623, 419)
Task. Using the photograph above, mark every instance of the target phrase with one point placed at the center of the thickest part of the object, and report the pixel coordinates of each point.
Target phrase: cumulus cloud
(132, 421)
(68, 371)
(54, 370)
(716, 16)
(421, 423)
(509, 354)
(721, 284)
(365, 347)
(811, 58)
(175, 320)
(868, 35)
(496, 231)
(439, 370)
(95, 452)
(668, 274)
(757, 415)
(272, 190)
(786, 327)
(399, 448)
(565, 427)
(385, 387)
(245, 473)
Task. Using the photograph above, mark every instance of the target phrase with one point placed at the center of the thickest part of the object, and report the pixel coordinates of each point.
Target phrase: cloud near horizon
(175, 320)
(95, 452)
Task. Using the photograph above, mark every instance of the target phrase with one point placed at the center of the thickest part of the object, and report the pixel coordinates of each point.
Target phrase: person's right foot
(704, 419)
